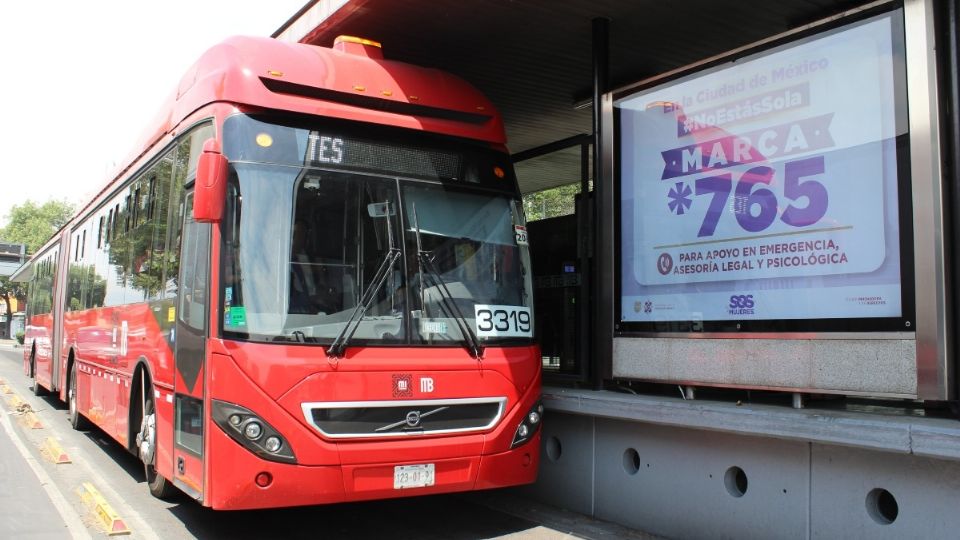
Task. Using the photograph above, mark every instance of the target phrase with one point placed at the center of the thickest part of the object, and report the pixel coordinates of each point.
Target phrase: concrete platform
(921, 436)
(733, 469)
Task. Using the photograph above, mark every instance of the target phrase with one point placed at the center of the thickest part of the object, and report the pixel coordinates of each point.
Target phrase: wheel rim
(72, 393)
(147, 438)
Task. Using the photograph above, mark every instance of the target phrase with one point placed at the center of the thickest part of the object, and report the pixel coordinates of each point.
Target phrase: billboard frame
(924, 350)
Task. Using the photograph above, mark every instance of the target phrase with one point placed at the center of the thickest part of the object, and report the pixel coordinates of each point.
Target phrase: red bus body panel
(463, 462)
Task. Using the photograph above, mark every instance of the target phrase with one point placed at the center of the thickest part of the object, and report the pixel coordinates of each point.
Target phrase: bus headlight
(253, 430)
(250, 431)
(273, 444)
(529, 425)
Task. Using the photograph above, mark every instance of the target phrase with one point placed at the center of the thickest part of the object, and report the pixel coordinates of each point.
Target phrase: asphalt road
(45, 503)
(29, 505)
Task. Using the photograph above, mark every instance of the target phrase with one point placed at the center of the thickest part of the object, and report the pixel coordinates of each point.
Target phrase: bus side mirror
(210, 190)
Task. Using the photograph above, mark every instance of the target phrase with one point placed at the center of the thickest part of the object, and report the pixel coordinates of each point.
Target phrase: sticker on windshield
(520, 232)
(503, 321)
(235, 316)
(433, 327)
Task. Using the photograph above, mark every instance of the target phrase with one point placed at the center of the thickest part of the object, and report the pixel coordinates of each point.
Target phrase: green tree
(554, 202)
(33, 224)
(30, 224)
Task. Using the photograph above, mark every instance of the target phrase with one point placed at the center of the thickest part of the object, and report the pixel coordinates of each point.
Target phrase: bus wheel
(34, 385)
(76, 419)
(159, 486)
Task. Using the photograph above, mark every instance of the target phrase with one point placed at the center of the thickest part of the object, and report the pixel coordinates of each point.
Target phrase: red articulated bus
(311, 285)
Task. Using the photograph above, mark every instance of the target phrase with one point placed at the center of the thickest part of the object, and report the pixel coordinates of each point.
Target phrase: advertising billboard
(770, 191)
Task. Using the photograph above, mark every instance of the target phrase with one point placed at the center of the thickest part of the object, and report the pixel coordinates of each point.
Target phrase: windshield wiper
(340, 342)
(449, 303)
(366, 299)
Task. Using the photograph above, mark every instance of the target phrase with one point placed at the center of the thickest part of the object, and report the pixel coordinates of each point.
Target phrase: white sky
(80, 81)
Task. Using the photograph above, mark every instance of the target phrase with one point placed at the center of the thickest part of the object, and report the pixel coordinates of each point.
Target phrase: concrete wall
(697, 482)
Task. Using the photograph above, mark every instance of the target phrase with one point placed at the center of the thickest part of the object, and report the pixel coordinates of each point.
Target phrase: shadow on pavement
(430, 517)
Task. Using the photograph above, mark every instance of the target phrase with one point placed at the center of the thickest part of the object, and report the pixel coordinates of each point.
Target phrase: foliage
(9, 289)
(19, 337)
(554, 202)
(33, 224)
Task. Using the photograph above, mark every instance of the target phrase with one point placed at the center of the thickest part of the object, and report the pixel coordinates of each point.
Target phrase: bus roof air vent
(359, 47)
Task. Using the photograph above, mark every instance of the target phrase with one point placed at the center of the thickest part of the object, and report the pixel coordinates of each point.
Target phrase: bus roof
(340, 82)
(335, 82)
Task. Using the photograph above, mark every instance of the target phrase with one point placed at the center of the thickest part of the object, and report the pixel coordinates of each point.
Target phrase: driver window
(340, 235)
(319, 249)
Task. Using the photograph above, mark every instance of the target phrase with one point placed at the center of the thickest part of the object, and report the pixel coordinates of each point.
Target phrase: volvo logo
(412, 420)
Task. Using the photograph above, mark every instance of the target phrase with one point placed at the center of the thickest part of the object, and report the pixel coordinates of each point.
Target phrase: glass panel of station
(552, 201)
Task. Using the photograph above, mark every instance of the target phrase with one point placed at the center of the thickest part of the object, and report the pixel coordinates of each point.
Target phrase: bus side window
(160, 183)
(195, 253)
(181, 164)
(117, 258)
(193, 146)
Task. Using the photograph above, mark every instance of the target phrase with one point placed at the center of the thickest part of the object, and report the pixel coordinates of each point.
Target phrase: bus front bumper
(237, 472)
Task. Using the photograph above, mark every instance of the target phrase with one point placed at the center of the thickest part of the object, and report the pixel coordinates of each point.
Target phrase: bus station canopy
(533, 58)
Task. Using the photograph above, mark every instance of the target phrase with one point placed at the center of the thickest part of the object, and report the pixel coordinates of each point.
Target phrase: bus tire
(34, 385)
(159, 486)
(36, 388)
(77, 420)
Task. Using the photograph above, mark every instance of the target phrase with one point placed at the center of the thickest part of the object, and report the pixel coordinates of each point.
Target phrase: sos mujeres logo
(741, 304)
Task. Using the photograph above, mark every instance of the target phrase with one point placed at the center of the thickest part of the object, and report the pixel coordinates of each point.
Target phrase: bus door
(56, 332)
(190, 351)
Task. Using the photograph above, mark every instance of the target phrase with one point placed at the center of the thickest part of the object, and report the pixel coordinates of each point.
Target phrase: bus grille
(360, 419)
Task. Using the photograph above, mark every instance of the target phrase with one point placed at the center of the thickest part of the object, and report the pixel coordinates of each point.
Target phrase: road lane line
(70, 516)
(86, 464)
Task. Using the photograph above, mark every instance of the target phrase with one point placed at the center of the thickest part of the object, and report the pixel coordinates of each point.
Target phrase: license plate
(413, 476)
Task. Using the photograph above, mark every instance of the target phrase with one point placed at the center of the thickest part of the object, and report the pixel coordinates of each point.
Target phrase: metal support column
(953, 161)
(602, 215)
(584, 262)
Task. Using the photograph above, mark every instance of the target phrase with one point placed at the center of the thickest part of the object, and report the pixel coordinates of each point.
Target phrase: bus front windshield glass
(309, 251)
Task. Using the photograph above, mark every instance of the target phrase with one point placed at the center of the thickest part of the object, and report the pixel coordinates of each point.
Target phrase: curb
(16, 402)
(30, 420)
(102, 511)
(53, 452)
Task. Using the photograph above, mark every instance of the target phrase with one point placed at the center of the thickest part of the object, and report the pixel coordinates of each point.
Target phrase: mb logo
(426, 385)
(402, 385)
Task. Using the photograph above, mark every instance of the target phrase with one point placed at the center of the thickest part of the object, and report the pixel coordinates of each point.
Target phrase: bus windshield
(308, 249)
